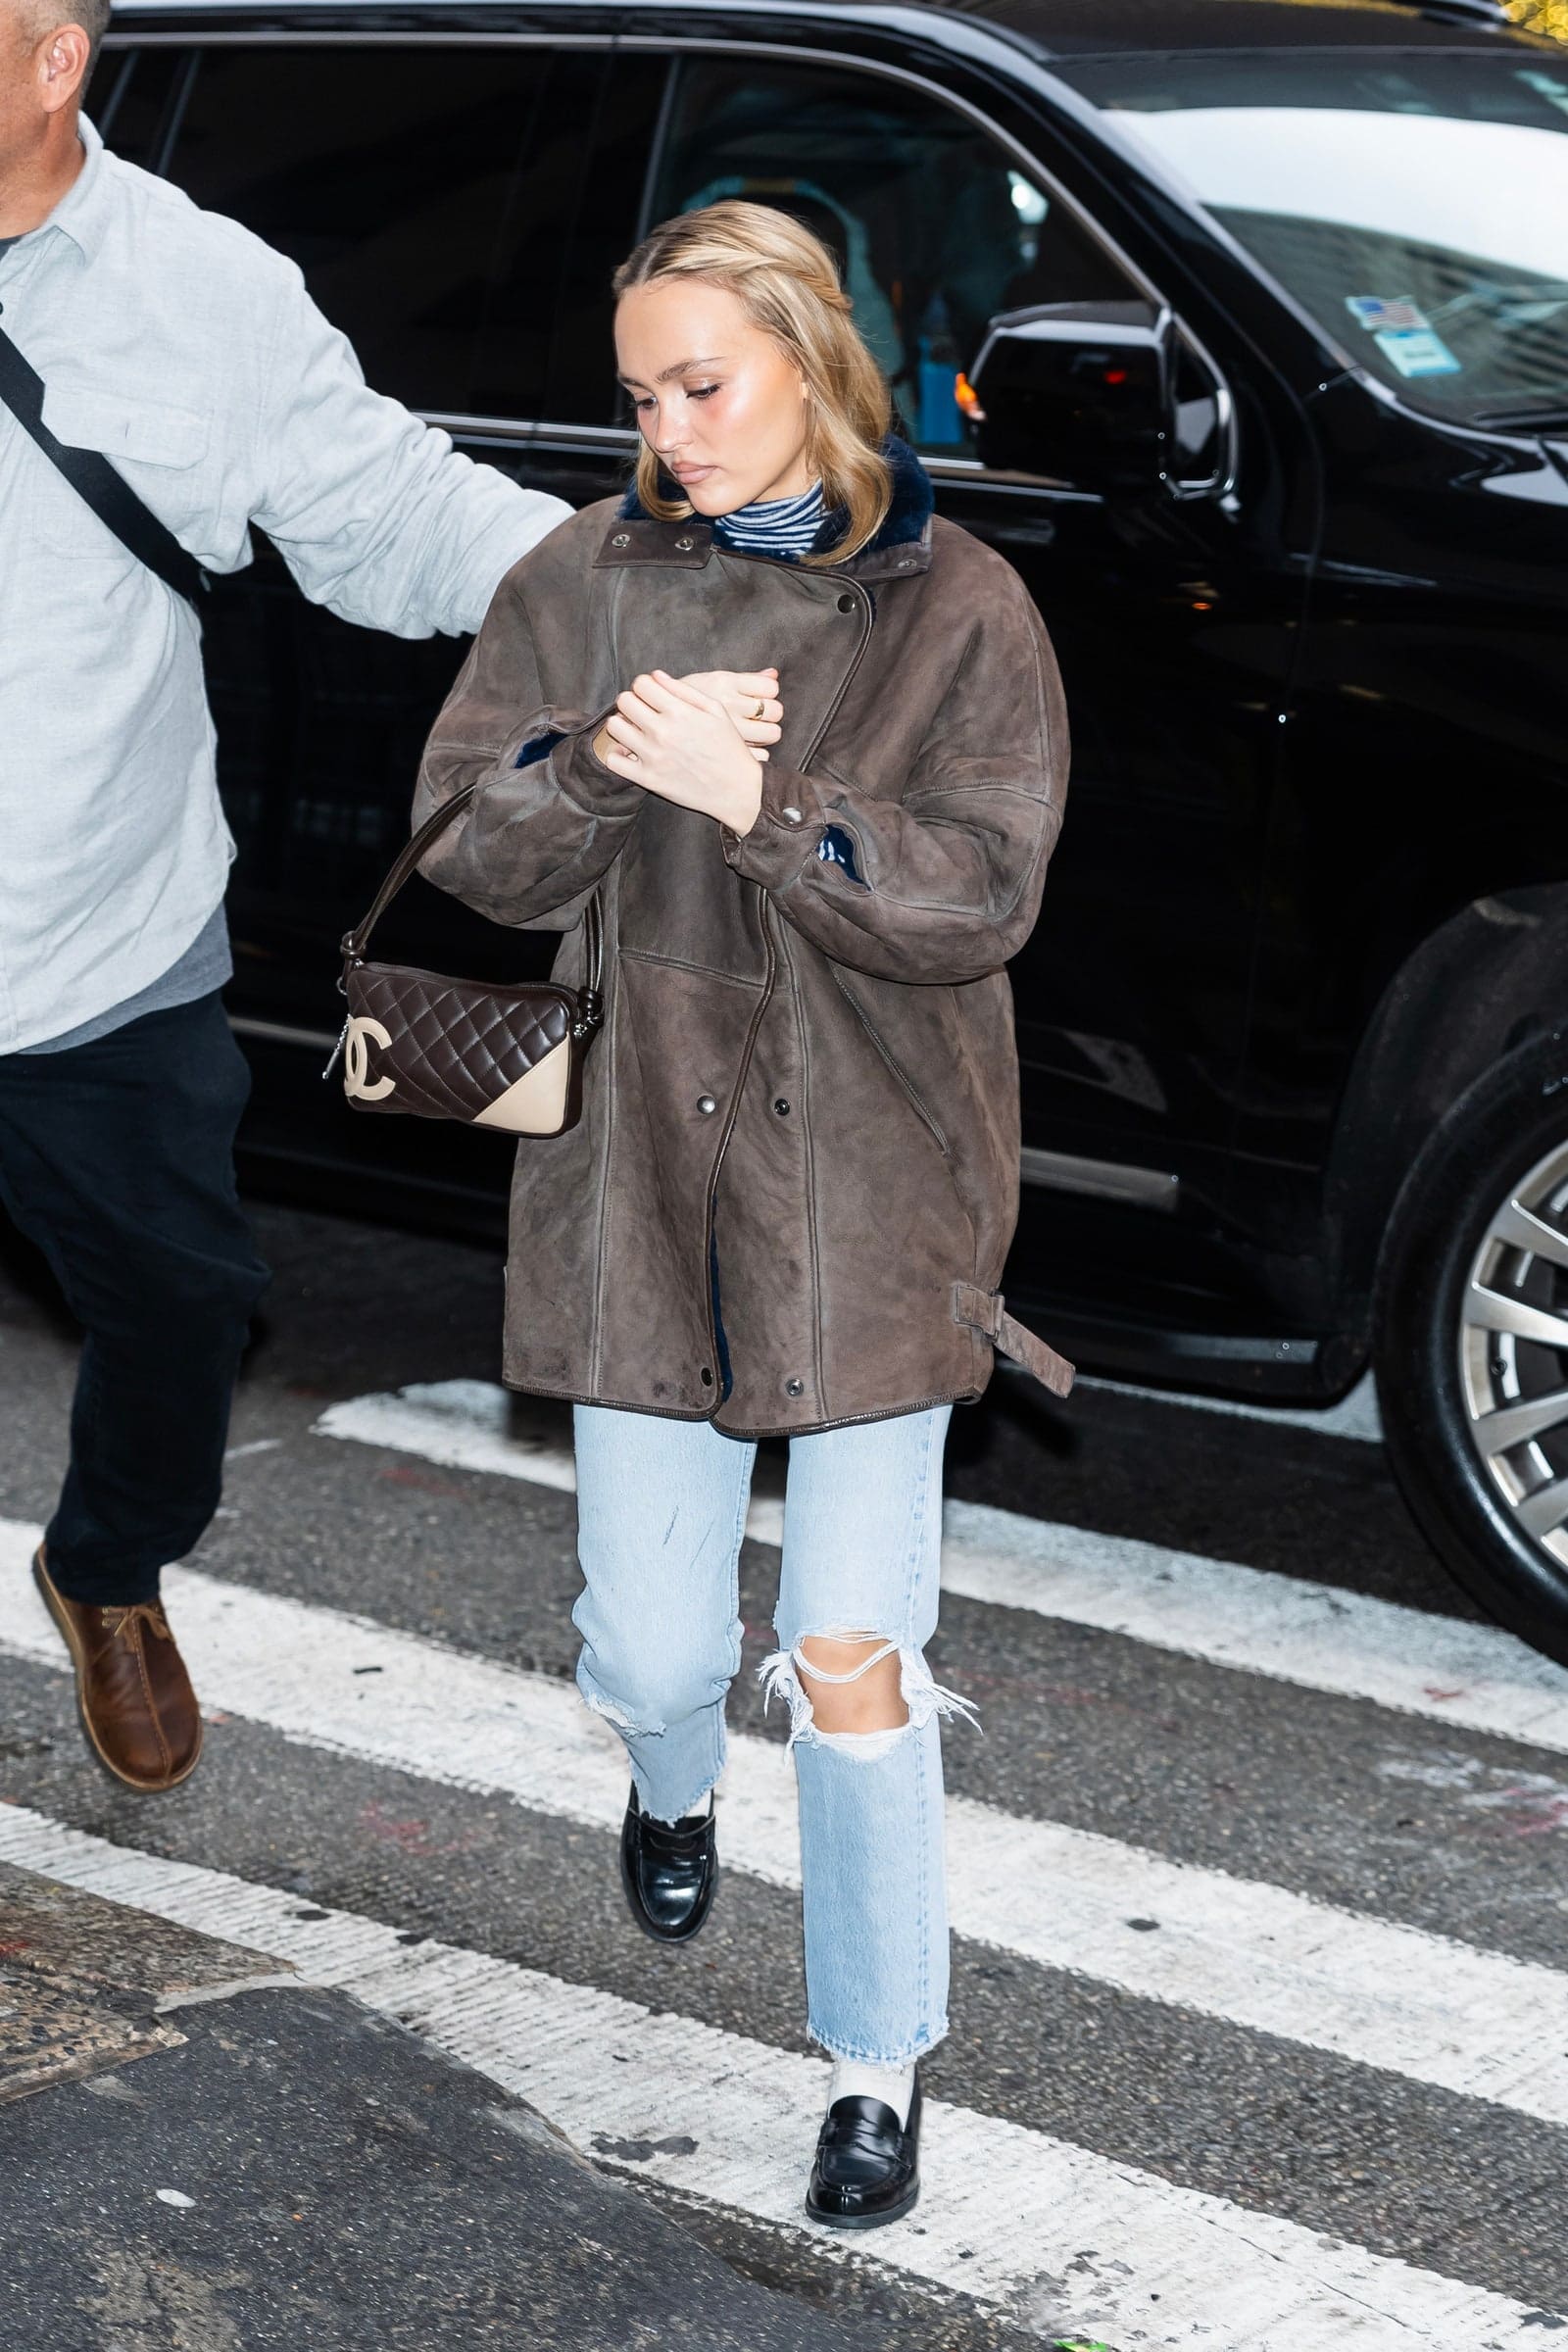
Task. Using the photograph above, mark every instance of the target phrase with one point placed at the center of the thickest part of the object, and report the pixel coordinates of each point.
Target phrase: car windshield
(1416, 205)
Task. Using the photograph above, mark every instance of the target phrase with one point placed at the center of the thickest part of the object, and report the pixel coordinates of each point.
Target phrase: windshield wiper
(1524, 420)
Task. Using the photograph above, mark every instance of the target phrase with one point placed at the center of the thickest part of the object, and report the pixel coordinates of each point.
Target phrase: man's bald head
(35, 20)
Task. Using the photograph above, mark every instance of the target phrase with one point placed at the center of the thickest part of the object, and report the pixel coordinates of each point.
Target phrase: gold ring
(757, 713)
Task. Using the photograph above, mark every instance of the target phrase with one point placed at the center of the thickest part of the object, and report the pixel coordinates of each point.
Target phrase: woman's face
(718, 399)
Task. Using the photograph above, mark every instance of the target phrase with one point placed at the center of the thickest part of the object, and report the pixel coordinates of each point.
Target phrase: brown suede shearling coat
(806, 1084)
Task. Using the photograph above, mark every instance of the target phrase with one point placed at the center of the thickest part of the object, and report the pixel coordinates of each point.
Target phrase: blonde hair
(786, 283)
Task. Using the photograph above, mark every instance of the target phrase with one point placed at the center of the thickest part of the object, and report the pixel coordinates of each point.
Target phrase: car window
(934, 226)
(132, 98)
(617, 137)
(425, 192)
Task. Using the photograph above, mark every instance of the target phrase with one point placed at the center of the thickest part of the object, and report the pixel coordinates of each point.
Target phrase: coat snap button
(706, 1105)
(791, 816)
(685, 546)
(795, 1388)
(846, 604)
(782, 1107)
(707, 1376)
(621, 539)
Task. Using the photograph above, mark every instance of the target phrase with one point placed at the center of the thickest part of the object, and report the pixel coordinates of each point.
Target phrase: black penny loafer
(867, 2167)
(669, 1869)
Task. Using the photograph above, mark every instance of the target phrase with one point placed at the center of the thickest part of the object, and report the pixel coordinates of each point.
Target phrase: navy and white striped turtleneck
(773, 526)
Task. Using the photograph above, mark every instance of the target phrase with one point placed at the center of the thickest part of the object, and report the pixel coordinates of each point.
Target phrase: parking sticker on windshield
(1417, 350)
(1404, 333)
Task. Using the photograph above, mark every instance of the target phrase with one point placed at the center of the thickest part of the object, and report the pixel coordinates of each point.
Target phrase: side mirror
(1080, 391)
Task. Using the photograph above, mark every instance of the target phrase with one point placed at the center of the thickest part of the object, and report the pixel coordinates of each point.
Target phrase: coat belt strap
(986, 1312)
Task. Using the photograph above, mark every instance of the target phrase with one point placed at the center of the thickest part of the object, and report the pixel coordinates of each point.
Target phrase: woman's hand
(751, 698)
(675, 740)
(748, 696)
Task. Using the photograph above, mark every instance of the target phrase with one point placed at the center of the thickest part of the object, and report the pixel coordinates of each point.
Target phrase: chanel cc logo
(356, 1081)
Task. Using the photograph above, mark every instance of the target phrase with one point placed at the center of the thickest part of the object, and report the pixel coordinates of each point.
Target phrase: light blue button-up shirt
(190, 353)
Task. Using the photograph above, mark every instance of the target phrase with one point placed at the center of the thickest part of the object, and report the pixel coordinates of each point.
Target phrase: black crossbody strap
(92, 477)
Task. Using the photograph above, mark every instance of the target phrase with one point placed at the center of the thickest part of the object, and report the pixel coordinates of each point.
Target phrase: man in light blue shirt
(188, 354)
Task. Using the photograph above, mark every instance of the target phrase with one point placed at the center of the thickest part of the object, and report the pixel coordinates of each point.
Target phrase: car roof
(1151, 27)
(1050, 29)
(1114, 28)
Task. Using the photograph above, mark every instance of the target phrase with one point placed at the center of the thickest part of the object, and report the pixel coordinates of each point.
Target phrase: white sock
(893, 2085)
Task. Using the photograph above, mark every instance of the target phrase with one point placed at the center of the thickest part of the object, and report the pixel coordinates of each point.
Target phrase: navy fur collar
(914, 500)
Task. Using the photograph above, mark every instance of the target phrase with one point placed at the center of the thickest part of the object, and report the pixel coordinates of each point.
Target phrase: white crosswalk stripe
(1316, 1636)
(1064, 2240)
(1424, 2006)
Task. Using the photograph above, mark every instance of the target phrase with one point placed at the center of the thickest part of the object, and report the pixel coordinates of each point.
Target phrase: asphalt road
(1215, 2007)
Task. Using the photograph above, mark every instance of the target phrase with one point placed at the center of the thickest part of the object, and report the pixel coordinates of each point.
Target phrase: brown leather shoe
(137, 1706)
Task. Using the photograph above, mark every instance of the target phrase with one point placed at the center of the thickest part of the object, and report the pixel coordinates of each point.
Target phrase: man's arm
(377, 514)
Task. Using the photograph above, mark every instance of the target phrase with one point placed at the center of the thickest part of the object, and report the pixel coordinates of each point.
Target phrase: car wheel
(1470, 1341)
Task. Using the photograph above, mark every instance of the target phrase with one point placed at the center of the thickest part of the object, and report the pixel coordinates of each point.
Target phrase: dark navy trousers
(116, 1159)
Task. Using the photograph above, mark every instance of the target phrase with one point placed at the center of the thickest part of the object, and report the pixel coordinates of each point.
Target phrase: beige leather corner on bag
(536, 1102)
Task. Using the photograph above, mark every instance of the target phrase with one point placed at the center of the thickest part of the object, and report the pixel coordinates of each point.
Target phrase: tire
(1486, 1203)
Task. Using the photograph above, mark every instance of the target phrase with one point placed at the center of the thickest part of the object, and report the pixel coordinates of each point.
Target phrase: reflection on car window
(933, 228)
(1418, 210)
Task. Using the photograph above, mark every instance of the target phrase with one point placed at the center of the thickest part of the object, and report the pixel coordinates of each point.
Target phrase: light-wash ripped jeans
(662, 1505)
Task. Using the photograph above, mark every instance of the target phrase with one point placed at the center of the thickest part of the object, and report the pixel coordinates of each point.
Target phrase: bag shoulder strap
(92, 477)
(406, 859)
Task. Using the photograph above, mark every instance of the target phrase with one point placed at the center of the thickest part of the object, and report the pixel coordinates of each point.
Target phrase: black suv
(1241, 328)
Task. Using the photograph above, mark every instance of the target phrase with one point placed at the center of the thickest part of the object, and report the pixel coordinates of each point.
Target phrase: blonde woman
(787, 1203)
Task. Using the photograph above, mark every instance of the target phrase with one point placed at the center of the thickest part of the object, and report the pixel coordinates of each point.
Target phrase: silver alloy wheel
(1513, 1354)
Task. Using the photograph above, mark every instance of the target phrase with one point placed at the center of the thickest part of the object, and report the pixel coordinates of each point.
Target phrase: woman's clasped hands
(698, 741)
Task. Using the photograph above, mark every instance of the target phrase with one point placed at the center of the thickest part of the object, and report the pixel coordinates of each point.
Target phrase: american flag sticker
(1385, 311)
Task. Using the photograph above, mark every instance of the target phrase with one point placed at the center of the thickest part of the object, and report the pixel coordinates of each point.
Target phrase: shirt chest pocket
(158, 450)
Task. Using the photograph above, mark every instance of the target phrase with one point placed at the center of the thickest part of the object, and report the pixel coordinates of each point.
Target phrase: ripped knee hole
(828, 1659)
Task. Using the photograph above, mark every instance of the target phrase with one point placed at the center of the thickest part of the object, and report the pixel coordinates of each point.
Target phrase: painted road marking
(1249, 1954)
(1443, 1668)
(1066, 2240)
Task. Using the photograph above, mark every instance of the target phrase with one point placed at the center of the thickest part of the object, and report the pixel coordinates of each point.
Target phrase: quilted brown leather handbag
(490, 1056)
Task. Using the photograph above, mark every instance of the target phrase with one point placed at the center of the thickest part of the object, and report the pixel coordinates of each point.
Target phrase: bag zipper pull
(337, 1049)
